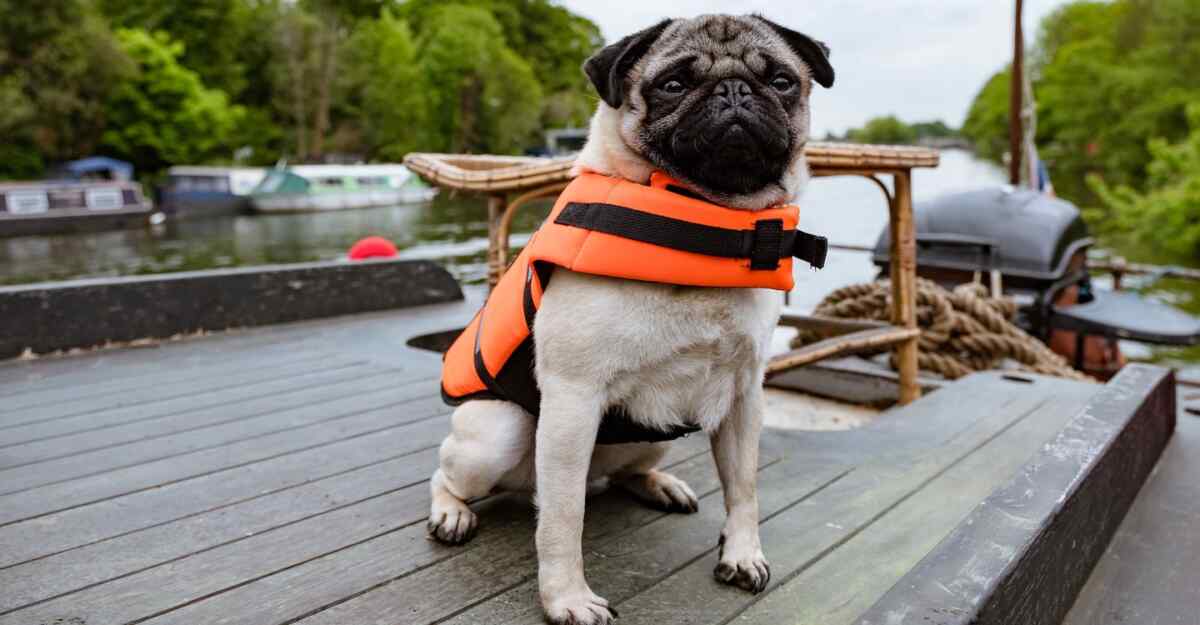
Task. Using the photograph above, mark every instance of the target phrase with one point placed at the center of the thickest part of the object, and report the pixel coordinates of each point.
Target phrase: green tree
(386, 88)
(212, 34)
(58, 62)
(485, 96)
(1167, 215)
(164, 114)
(885, 130)
(987, 122)
(553, 41)
(1108, 76)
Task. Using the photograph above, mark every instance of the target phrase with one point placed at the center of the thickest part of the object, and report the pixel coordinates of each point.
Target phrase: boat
(95, 193)
(312, 188)
(198, 191)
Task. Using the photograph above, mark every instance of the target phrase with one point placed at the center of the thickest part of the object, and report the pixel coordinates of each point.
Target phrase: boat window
(200, 183)
(372, 181)
(330, 182)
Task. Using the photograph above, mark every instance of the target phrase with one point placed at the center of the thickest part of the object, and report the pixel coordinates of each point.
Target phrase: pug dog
(720, 103)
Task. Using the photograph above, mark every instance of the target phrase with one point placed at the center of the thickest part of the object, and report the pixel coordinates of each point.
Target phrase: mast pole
(1016, 99)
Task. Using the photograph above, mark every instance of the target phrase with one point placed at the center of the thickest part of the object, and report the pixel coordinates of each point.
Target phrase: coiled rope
(962, 331)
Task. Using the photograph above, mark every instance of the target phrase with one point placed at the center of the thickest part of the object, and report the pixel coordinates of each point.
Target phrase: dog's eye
(782, 83)
(673, 87)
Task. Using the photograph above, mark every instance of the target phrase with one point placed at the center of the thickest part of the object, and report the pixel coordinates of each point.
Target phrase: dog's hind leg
(637, 476)
(490, 444)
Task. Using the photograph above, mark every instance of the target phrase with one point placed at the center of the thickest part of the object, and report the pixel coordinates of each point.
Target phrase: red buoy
(372, 247)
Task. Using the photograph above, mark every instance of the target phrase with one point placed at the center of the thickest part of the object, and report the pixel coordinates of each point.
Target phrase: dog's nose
(733, 92)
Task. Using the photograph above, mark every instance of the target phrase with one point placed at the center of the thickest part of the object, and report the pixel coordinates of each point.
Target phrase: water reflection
(450, 228)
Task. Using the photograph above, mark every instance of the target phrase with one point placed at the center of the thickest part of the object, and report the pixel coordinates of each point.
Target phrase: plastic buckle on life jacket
(767, 248)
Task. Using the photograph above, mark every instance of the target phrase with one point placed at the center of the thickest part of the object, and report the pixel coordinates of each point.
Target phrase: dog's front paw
(745, 567)
(451, 521)
(585, 608)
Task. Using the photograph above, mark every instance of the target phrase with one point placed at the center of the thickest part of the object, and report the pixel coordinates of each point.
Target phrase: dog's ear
(814, 52)
(608, 68)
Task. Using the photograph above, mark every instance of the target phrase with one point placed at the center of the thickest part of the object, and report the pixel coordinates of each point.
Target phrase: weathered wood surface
(1026, 551)
(44, 318)
(301, 497)
(1150, 571)
(844, 345)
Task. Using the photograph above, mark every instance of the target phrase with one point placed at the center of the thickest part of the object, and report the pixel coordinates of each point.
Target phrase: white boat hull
(332, 201)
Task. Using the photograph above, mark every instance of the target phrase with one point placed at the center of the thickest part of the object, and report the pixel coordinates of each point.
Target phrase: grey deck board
(86, 453)
(107, 392)
(1150, 573)
(303, 498)
(161, 491)
(837, 589)
(340, 574)
(167, 397)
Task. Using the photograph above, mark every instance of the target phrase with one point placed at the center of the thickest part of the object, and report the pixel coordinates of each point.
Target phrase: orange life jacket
(611, 227)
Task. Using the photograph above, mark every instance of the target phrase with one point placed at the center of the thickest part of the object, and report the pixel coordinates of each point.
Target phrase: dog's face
(719, 102)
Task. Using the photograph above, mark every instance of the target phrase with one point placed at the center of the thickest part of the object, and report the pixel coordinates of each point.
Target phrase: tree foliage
(1108, 77)
(164, 114)
(58, 62)
(1166, 216)
(193, 81)
(487, 95)
(888, 130)
(891, 130)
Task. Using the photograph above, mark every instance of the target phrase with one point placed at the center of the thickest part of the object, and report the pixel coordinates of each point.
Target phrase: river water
(452, 230)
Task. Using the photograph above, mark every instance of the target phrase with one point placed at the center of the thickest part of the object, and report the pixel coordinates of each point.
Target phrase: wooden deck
(278, 476)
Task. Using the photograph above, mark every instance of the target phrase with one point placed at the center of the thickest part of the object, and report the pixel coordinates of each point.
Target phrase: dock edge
(1025, 552)
(52, 317)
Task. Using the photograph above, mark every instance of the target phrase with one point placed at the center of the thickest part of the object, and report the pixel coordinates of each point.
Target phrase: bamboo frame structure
(499, 177)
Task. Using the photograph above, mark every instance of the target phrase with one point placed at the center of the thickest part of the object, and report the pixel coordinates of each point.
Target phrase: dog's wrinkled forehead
(719, 46)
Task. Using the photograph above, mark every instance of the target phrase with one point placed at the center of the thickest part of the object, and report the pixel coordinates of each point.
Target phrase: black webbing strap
(764, 245)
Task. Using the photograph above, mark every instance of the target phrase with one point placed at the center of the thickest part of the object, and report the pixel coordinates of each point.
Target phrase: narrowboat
(195, 191)
(314, 188)
(95, 193)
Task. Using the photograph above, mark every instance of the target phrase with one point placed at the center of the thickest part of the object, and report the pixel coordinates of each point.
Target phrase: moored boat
(305, 188)
(52, 207)
(197, 191)
(94, 193)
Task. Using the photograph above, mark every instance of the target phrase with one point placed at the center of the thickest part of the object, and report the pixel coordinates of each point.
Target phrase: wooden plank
(325, 386)
(805, 535)
(1023, 555)
(92, 453)
(620, 567)
(1148, 573)
(443, 589)
(829, 326)
(41, 580)
(158, 393)
(83, 367)
(801, 523)
(54, 518)
(837, 587)
(392, 527)
(844, 345)
(337, 371)
(389, 561)
(123, 382)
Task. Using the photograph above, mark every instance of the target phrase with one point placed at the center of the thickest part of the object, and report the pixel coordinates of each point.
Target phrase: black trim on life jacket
(764, 245)
(481, 369)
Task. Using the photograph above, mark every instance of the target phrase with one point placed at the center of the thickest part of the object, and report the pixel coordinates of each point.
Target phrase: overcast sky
(917, 59)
